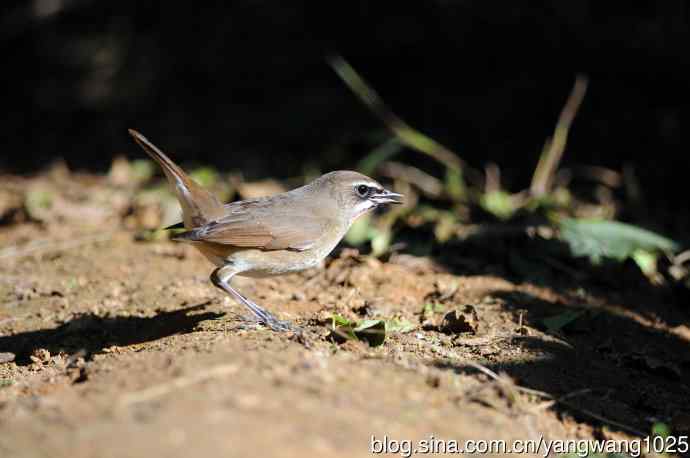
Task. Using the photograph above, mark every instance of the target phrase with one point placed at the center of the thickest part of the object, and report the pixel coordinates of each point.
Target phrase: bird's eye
(363, 190)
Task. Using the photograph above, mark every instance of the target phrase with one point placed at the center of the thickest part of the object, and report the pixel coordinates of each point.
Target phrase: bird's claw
(274, 323)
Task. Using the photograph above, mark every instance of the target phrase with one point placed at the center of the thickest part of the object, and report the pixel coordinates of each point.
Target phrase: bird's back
(291, 220)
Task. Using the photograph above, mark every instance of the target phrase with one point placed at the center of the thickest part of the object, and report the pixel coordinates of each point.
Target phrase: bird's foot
(260, 315)
(274, 323)
(283, 326)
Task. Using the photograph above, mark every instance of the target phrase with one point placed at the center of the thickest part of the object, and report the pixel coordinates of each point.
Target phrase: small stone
(6, 357)
(434, 381)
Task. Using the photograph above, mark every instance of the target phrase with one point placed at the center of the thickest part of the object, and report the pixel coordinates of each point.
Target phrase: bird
(269, 236)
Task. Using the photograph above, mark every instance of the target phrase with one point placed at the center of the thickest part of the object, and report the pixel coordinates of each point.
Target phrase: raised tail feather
(199, 206)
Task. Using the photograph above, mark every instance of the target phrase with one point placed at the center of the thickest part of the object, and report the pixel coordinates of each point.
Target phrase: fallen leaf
(456, 322)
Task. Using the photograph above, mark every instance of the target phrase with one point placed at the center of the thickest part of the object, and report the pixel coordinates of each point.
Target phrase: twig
(553, 150)
(493, 178)
(37, 246)
(603, 175)
(483, 341)
(484, 370)
(404, 132)
(681, 258)
(429, 185)
(156, 391)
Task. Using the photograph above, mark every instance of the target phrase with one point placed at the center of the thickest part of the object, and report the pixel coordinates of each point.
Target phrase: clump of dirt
(112, 343)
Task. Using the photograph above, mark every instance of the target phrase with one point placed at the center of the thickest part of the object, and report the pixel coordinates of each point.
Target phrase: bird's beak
(387, 197)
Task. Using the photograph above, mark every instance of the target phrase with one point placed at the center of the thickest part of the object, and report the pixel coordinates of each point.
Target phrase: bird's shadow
(90, 334)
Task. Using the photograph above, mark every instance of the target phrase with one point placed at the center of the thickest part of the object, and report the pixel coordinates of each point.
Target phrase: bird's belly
(252, 262)
(259, 263)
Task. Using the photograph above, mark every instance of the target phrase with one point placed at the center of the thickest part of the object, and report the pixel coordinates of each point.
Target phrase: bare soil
(115, 346)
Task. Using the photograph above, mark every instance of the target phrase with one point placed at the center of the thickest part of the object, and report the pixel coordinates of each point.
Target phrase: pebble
(6, 357)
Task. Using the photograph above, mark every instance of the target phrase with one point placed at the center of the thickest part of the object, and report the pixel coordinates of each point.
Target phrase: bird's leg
(221, 278)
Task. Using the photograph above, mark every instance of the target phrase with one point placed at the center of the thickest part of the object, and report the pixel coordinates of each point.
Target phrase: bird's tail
(199, 206)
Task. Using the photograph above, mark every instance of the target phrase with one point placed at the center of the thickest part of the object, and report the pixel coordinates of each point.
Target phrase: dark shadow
(91, 333)
(633, 374)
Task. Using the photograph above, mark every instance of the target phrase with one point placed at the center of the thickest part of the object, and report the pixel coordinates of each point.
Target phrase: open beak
(387, 197)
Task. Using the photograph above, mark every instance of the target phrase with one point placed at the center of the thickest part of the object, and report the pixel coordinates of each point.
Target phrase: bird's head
(354, 193)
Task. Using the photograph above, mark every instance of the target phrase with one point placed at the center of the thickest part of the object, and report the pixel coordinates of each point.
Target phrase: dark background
(244, 85)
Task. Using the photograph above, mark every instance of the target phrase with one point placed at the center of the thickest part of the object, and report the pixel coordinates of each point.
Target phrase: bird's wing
(265, 225)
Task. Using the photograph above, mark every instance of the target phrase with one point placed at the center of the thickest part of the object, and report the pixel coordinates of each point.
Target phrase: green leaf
(380, 242)
(342, 328)
(37, 201)
(599, 239)
(360, 232)
(363, 231)
(455, 184)
(498, 203)
(151, 235)
(142, 169)
(645, 260)
(558, 322)
(446, 227)
(368, 324)
(661, 429)
(205, 176)
(341, 321)
(371, 331)
(433, 307)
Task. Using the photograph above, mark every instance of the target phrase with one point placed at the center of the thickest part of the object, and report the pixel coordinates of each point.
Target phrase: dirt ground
(115, 346)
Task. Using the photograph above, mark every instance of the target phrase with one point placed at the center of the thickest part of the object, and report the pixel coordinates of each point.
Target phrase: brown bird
(274, 235)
